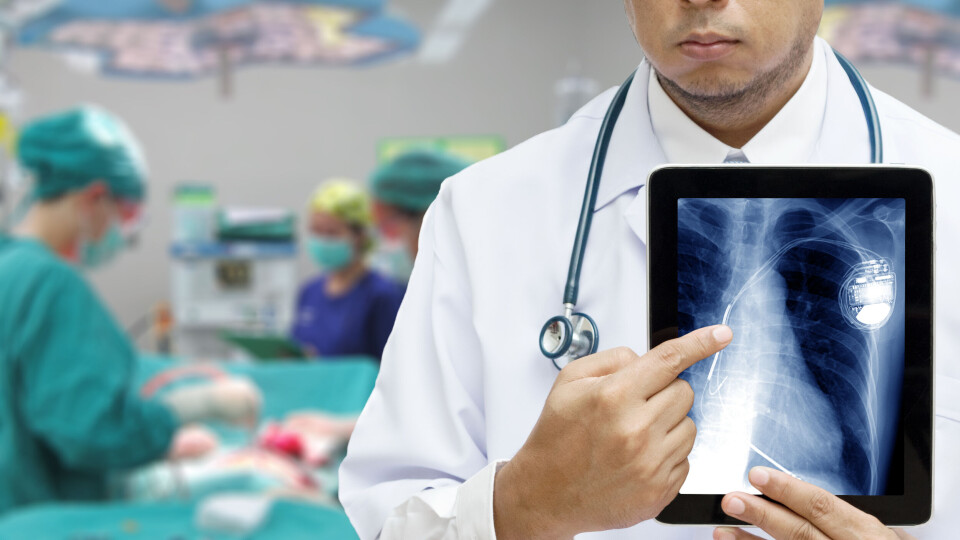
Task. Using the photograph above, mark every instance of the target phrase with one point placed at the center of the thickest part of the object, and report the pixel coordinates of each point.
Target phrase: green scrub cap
(344, 199)
(67, 151)
(412, 180)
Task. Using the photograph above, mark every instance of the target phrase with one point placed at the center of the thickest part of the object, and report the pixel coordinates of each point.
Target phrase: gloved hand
(192, 442)
(235, 401)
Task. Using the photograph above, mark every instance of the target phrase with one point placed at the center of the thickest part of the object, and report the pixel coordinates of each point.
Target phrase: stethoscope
(573, 334)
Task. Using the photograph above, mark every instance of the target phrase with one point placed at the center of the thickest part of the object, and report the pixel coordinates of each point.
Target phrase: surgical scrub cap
(412, 180)
(67, 151)
(344, 199)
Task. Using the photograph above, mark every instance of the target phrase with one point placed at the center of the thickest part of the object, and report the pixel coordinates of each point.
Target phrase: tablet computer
(825, 275)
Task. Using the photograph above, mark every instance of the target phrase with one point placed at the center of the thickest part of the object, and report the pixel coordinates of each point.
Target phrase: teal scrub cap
(67, 151)
(412, 180)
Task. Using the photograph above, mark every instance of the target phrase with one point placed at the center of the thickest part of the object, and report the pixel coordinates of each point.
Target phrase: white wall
(286, 129)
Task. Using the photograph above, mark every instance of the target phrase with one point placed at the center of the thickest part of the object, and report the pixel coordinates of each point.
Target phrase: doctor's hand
(610, 448)
(805, 512)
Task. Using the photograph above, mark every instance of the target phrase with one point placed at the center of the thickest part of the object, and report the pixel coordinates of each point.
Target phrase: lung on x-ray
(811, 384)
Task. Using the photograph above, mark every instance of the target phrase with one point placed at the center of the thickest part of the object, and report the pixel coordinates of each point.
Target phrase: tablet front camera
(868, 294)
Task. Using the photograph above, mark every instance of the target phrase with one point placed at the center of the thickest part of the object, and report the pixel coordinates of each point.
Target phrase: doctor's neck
(735, 114)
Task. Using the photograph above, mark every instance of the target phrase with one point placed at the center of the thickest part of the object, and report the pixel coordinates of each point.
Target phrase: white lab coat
(463, 381)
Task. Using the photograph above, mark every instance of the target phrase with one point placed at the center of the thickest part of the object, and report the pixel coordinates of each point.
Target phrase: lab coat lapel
(636, 215)
(634, 151)
(844, 138)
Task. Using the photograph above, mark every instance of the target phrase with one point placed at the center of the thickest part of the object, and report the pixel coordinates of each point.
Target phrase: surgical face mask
(96, 253)
(330, 254)
(393, 259)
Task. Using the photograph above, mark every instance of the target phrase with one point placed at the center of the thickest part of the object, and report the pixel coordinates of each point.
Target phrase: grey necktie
(736, 156)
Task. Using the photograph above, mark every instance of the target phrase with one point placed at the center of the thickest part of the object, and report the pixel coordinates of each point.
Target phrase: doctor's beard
(724, 102)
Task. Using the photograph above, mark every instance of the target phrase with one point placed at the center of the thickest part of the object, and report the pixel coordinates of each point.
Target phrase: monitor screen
(811, 384)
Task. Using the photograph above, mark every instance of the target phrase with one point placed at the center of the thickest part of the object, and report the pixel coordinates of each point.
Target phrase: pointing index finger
(661, 366)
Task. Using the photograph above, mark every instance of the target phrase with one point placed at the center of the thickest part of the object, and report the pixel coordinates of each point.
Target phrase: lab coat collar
(634, 149)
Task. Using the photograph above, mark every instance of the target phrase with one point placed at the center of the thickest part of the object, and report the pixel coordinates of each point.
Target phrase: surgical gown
(68, 413)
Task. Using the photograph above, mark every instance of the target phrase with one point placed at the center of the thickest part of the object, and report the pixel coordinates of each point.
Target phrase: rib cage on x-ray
(799, 388)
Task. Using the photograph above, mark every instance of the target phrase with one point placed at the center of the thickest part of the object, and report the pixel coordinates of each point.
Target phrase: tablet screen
(811, 384)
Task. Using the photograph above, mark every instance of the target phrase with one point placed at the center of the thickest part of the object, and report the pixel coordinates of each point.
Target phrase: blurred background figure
(69, 415)
(348, 309)
(403, 189)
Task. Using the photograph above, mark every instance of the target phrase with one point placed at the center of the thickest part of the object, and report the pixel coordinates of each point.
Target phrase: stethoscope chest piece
(565, 339)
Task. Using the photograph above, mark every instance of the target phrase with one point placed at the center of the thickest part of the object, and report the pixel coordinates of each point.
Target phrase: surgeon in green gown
(69, 414)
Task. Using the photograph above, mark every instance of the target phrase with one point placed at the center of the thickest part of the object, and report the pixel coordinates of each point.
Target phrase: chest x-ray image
(811, 384)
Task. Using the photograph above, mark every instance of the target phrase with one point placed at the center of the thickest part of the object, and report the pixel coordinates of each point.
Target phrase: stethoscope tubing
(572, 290)
(870, 113)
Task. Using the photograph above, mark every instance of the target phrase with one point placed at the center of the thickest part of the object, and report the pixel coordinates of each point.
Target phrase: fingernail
(759, 476)
(724, 534)
(722, 333)
(734, 506)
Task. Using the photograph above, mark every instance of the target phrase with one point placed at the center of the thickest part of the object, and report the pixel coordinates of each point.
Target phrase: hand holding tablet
(805, 512)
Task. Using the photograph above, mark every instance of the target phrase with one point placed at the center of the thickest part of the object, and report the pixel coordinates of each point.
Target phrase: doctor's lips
(707, 47)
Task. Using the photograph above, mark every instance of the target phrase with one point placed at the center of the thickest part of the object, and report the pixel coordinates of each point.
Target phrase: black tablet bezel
(668, 184)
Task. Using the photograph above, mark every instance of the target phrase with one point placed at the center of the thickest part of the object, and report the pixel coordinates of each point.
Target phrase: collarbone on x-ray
(813, 289)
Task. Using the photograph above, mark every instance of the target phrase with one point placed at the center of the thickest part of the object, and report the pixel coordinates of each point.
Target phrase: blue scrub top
(355, 323)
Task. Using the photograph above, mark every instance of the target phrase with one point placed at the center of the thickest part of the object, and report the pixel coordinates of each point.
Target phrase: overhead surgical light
(451, 29)
(868, 294)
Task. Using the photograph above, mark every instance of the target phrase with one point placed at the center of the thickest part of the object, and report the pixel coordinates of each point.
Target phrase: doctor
(471, 432)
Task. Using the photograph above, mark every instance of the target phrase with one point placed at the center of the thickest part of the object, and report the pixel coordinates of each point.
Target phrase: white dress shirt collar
(791, 137)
